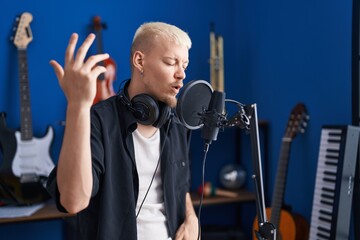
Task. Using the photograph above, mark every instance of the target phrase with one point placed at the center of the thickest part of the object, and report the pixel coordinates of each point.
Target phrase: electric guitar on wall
(26, 160)
(289, 226)
(104, 87)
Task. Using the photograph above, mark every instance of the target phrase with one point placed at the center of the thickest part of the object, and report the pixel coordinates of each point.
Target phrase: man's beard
(170, 101)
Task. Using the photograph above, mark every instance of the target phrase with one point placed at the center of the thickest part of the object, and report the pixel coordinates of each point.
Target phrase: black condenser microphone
(213, 117)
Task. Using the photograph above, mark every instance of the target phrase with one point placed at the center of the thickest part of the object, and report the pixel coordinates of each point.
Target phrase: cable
(157, 166)
(206, 149)
(236, 102)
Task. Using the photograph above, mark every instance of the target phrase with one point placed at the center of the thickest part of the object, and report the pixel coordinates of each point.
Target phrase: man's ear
(138, 61)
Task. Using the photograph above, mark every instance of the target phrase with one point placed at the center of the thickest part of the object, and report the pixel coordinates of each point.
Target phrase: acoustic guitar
(26, 160)
(105, 88)
(289, 226)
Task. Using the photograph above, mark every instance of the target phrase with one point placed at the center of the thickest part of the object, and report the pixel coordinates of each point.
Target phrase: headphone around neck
(145, 108)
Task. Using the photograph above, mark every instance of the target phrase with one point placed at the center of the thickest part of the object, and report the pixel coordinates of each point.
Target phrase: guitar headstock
(23, 35)
(97, 24)
(297, 122)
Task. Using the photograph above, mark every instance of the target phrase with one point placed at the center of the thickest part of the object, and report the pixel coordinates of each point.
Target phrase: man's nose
(180, 73)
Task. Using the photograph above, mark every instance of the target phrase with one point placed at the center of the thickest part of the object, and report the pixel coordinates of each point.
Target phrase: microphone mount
(240, 118)
(213, 118)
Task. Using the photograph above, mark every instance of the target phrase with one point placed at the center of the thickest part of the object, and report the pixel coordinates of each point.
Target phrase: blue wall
(277, 53)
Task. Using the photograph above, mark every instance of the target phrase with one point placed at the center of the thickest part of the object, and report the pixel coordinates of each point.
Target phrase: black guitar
(26, 160)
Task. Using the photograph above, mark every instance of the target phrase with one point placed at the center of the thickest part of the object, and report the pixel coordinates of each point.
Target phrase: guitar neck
(100, 50)
(99, 42)
(25, 106)
(280, 182)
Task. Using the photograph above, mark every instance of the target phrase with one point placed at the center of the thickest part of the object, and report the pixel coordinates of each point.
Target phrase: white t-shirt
(151, 221)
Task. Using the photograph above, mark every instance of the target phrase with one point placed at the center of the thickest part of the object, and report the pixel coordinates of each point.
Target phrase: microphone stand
(246, 117)
(248, 120)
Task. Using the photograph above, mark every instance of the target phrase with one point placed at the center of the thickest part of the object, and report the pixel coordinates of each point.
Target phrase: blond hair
(147, 33)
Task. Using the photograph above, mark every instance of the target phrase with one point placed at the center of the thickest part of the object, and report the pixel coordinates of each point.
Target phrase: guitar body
(104, 87)
(24, 167)
(33, 156)
(302, 227)
(291, 227)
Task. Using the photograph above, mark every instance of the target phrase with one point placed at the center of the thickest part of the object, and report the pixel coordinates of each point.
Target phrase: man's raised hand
(79, 75)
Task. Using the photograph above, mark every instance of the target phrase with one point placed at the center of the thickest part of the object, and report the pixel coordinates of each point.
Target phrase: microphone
(213, 117)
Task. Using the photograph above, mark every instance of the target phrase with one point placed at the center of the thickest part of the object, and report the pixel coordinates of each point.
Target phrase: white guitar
(32, 156)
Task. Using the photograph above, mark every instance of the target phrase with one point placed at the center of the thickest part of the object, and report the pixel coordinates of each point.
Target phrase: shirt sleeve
(53, 190)
(97, 151)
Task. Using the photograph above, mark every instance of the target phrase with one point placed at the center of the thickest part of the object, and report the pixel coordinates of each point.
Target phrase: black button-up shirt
(111, 212)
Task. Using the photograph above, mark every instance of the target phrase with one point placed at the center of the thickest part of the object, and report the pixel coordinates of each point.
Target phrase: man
(124, 163)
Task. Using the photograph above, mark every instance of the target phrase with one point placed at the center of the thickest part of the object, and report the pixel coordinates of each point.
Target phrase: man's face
(164, 70)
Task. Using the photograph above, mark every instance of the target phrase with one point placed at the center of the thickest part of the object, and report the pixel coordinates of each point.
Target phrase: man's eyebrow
(176, 59)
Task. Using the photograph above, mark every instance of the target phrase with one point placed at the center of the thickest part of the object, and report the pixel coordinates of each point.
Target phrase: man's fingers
(94, 60)
(180, 233)
(81, 53)
(98, 70)
(59, 71)
(69, 54)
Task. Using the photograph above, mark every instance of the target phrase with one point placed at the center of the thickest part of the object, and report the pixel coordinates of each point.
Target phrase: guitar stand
(250, 123)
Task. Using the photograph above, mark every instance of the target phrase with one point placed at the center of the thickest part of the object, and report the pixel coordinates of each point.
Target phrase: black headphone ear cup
(165, 112)
(146, 109)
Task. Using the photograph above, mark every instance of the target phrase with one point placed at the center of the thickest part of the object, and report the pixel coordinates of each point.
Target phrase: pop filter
(193, 99)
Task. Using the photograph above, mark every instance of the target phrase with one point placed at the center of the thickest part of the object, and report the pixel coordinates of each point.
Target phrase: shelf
(242, 196)
(48, 212)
